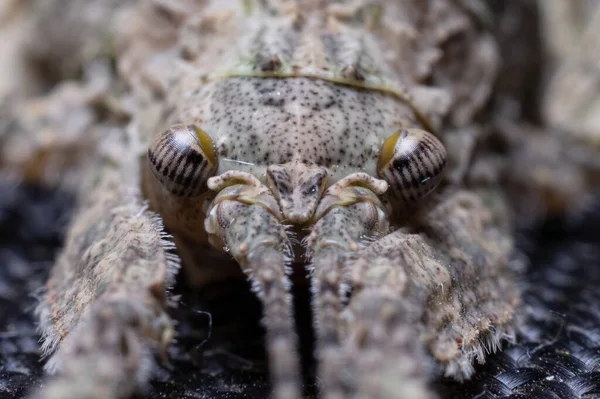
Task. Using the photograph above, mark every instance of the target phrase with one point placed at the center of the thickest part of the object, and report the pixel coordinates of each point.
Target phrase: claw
(245, 188)
(358, 187)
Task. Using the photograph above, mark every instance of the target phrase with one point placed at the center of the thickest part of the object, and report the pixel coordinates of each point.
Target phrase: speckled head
(298, 187)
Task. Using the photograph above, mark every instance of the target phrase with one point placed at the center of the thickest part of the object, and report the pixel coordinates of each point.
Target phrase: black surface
(219, 354)
(31, 223)
(558, 350)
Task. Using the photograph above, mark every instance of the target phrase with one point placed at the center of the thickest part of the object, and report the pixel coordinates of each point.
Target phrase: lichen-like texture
(351, 147)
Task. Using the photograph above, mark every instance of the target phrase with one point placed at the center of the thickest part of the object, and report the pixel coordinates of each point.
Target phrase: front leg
(245, 218)
(105, 307)
(443, 285)
(349, 211)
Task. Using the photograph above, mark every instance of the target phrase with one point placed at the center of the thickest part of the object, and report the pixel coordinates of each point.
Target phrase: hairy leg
(442, 284)
(58, 89)
(349, 212)
(49, 139)
(244, 218)
(105, 307)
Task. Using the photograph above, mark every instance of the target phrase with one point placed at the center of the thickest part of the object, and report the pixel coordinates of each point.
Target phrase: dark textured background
(219, 354)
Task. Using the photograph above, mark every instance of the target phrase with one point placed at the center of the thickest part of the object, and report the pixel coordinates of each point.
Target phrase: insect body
(312, 127)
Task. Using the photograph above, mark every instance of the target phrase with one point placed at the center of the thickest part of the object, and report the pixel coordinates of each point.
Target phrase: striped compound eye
(412, 161)
(182, 159)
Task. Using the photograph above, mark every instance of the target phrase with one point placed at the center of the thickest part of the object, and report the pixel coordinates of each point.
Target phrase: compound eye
(182, 159)
(412, 161)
